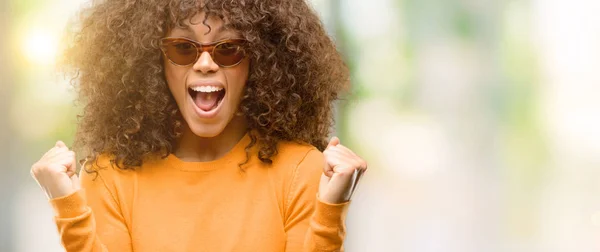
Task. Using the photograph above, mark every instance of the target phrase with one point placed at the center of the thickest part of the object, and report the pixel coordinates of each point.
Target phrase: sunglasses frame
(200, 48)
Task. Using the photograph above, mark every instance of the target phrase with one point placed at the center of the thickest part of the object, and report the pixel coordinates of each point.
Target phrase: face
(207, 94)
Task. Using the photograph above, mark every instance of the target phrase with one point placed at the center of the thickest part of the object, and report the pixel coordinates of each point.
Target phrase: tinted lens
(228, 54)
(181, 52)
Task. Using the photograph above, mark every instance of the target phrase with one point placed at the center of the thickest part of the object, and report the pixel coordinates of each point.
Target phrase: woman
(202, 130)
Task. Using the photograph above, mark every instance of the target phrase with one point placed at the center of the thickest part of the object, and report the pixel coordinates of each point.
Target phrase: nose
(205, 63)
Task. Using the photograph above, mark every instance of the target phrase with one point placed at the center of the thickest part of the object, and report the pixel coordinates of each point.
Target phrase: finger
(340, 186)
(333, 142)
(59, 147)
(337, 149)
(55, 152)
(345, 169)
(361, 162)
(331, 160)
(327, 154)
(346, 149)
(50, 152)
(73, 167)
(60, 144)
(327, 169)
(63, 158)
(60, 154)
(56, 167)
(334, 158)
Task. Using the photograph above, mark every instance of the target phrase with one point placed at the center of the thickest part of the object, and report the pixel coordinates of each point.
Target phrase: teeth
(207, 89)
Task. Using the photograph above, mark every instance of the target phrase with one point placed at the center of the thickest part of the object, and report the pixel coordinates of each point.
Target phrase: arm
(311, 224)
(90, 218)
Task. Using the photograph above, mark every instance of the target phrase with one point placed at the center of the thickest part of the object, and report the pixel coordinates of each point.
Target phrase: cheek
(175, 79)
(238, 77)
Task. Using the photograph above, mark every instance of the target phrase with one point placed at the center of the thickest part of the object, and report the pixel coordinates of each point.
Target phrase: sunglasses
(185, 52)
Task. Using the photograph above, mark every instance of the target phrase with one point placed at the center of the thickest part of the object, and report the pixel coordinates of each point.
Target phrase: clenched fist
(341, 173)
(55, 172)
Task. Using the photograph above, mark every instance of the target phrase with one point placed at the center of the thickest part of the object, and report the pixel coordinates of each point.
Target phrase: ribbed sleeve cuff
(70, 206)
(330, 214)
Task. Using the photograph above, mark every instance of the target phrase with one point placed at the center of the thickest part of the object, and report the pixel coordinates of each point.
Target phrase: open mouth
(207, 98)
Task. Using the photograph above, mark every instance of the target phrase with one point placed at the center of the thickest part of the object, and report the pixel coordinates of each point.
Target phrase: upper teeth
(207, 89)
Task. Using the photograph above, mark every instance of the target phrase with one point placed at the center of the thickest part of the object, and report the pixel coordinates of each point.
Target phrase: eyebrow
(189, 29)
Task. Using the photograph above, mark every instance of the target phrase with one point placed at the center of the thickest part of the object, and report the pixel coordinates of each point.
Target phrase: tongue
(206, 101)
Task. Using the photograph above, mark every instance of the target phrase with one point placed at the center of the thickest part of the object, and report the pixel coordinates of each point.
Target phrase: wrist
(70, 205)
(332, 199)
(60, 191)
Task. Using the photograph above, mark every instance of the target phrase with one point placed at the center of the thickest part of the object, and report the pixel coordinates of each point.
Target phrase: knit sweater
(173, 205)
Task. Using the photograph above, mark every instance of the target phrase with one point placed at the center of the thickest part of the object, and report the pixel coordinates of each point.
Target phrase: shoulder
(299, 168)
(295, 155)
(104, 171)
(299, 165)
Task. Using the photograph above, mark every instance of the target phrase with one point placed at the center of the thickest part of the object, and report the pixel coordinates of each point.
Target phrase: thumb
(72, 168)
(60, 144)
(333, 141)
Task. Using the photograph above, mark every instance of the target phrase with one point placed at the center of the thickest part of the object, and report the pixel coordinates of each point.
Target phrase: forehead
(202, 28)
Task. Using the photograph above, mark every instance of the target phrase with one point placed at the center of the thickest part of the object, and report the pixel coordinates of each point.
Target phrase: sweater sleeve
(90, 219)
(310, 224)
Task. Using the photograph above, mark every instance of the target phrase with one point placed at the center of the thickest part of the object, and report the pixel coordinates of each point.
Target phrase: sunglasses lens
(181, 52)
(228, 54)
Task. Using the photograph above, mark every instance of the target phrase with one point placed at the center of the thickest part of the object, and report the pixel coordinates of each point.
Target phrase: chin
(207, 130)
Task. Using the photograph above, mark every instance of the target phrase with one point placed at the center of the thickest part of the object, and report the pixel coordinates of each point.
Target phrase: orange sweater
(172, 205)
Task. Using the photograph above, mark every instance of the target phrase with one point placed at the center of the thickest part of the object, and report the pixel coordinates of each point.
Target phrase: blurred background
(479, 118)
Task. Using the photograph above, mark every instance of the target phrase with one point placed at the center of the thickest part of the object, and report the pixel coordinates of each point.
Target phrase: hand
(55, 172)
(341, 173)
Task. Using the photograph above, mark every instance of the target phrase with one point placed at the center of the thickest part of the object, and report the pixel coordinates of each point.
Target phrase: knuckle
(348, 172)
(33, 171)
(36, 167)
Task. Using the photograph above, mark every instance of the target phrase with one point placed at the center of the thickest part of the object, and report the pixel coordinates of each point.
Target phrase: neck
(193, 148)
